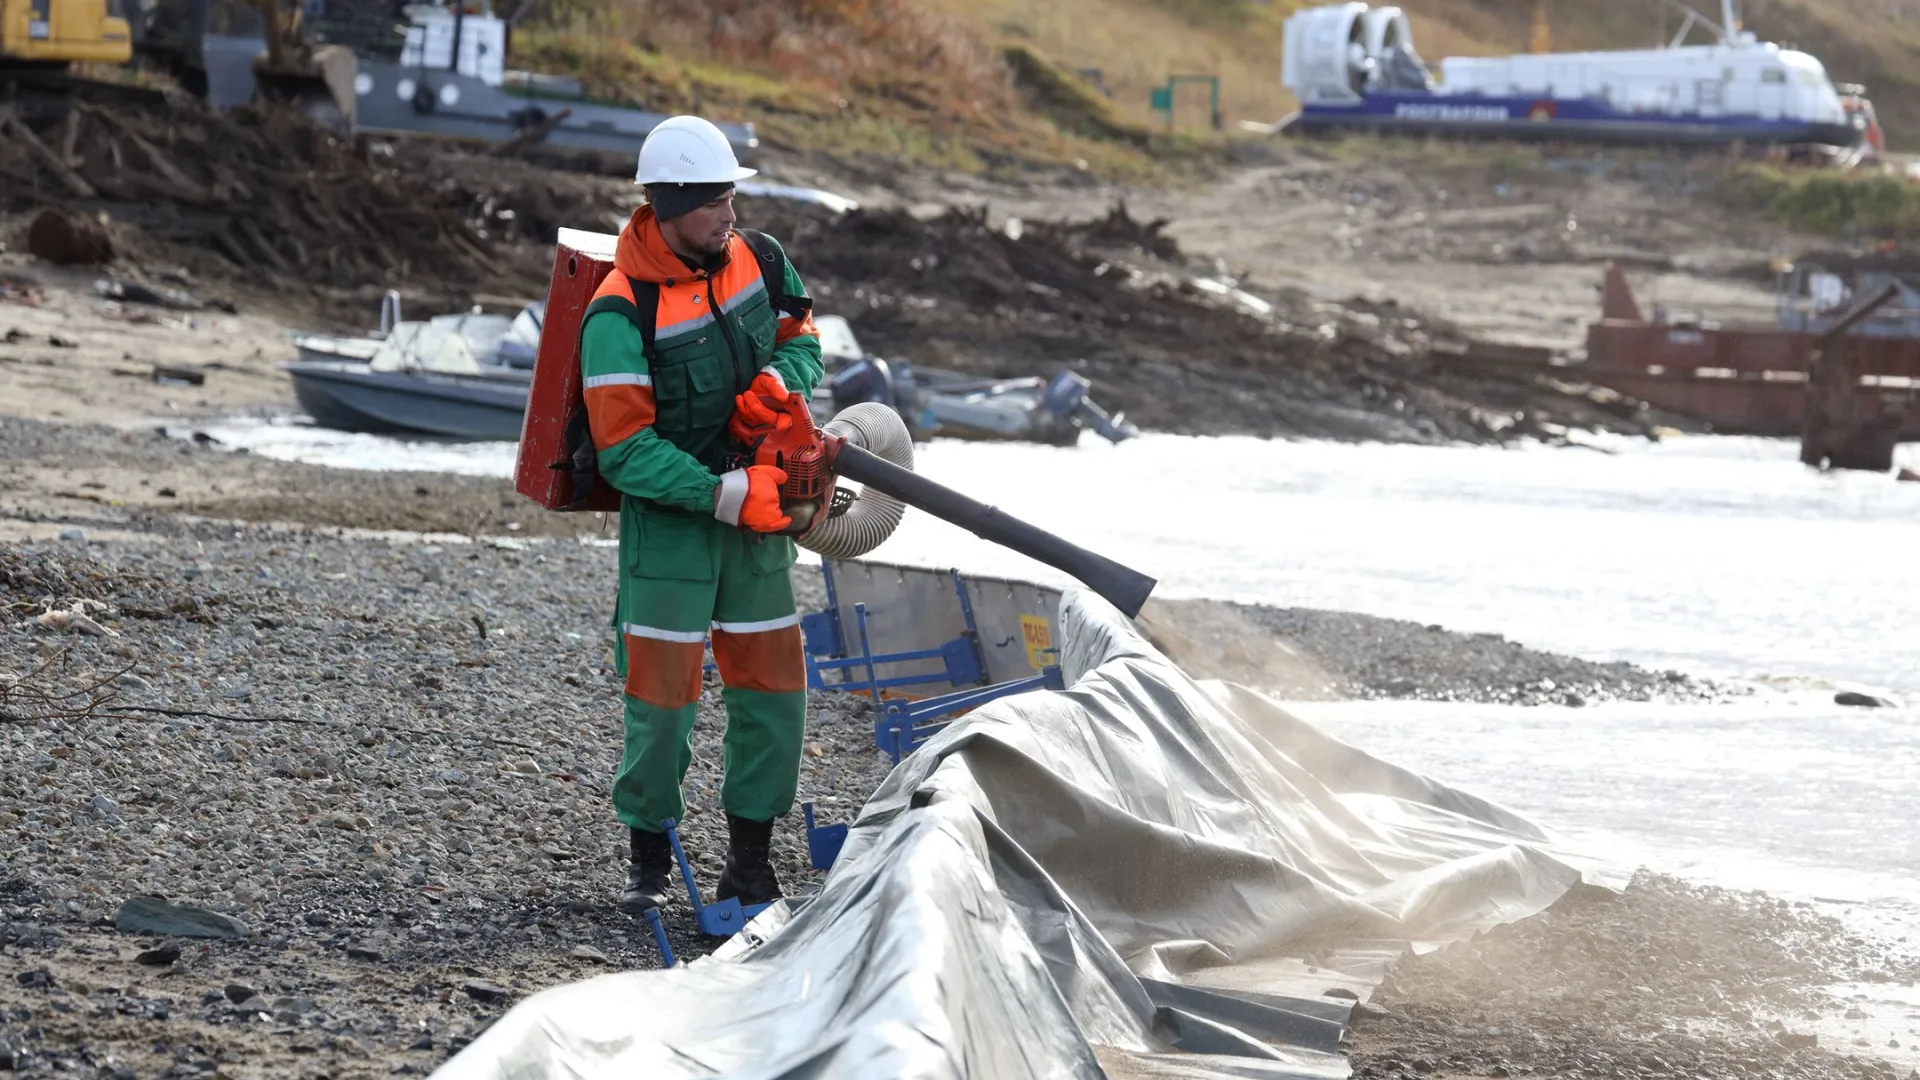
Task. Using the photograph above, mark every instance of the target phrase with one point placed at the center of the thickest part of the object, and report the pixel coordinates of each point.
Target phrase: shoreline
(144, 481)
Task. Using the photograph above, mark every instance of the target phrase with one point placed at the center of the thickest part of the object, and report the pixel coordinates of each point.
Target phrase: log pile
(274, 195)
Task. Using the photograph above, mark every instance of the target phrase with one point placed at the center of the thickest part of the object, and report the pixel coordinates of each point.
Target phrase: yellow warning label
(1039, 638)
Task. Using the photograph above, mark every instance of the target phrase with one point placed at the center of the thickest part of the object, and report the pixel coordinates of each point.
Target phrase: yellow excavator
(55, 33)
(39, 38)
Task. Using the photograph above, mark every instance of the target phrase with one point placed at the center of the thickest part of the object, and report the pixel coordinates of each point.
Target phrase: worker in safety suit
(695, 554)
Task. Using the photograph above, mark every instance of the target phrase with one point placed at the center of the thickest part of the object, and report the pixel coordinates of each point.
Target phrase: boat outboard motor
(862, 380)
(1066, 398)
(909, 404)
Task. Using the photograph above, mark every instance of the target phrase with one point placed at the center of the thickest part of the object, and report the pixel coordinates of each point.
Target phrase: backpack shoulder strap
(641, 306)
(646, 309)
(773, 271)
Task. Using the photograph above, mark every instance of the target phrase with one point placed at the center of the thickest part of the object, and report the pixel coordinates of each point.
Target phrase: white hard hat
(688, 150)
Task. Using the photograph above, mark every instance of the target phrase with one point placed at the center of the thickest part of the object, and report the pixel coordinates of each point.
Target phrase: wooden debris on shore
(269, 190)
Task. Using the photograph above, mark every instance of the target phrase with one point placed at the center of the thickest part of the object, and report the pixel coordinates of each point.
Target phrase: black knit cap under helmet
(670, 201)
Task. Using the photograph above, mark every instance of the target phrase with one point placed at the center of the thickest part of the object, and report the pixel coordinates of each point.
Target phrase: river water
(1716, 556)
(1719, 556)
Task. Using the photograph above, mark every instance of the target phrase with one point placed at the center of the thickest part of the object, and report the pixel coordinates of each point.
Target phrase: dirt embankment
(1165, 339)
(261, 207)
(259, 194)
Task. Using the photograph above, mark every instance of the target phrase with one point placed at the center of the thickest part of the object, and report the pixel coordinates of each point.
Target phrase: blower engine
(866, 443)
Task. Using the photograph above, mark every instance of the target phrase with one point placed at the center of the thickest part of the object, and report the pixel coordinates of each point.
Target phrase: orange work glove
(750, 497)
(753, 418)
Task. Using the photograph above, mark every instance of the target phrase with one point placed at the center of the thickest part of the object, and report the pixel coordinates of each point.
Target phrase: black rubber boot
(748, 875)
(649, 871)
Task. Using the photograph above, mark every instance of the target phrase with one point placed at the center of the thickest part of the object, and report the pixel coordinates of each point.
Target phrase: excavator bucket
(322, 90)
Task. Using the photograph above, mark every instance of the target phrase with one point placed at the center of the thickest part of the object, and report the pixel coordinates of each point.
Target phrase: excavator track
(35, 92)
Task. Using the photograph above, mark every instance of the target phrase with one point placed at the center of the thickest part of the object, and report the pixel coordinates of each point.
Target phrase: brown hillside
(979, 82)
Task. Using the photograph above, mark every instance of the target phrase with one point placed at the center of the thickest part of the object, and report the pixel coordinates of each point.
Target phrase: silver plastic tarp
(1126, 879)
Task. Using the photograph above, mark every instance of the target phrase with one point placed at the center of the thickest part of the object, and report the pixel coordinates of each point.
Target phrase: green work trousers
(685, 577)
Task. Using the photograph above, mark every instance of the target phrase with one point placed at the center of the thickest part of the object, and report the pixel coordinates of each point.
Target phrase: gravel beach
(1394, 658)
(380, 759)
(390, 761)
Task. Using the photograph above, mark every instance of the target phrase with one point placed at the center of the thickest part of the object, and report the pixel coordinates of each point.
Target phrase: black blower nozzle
(1121, 586)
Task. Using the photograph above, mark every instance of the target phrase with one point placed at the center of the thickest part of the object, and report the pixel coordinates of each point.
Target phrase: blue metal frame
(822, 630)
(827, 650)
(660, 937)
(904, 726)
(722, 918)
(959, 664)
(729, 916)
(823, 841)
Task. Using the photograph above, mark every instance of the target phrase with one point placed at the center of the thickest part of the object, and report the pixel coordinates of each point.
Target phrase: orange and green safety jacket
(659, 415)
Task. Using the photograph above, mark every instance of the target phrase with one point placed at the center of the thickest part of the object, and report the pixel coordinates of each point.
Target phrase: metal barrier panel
(910, 608)
(1017, 622)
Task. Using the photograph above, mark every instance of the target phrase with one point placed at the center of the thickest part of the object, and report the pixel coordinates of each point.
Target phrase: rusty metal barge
(1841, 369)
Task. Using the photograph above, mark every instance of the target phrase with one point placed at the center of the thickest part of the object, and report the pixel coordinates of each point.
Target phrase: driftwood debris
(262, 186)
(11, 126)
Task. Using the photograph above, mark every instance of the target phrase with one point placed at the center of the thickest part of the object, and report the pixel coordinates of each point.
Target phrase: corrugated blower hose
(873, 516)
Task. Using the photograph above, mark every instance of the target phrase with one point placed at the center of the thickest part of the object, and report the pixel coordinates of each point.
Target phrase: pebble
(484, 991)
(588, 952)
(145, 915)
(159, 955)
(1796, 1041)
(77, 536)
(1862, 701)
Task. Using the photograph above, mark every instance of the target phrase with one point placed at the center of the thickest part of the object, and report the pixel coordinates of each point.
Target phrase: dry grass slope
(848, 76)
(975, 83)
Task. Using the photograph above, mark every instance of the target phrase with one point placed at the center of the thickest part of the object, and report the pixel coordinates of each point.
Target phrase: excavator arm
(289, 68)
(317, 80)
